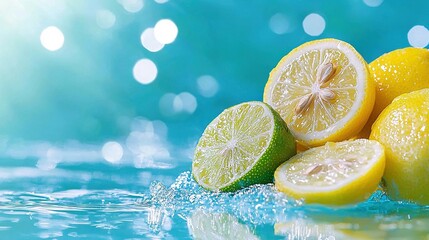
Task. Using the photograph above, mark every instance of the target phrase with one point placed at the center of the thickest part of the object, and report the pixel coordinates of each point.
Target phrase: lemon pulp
(336, 173)
(242, 146)
(323, 91)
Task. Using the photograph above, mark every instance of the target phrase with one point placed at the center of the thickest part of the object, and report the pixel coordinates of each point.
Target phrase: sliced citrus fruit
(334, 174)
(242, 146)
(323, 91)
(403, 129)
(206, 225)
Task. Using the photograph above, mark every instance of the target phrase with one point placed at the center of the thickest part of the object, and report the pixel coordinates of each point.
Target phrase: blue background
(58, 109)
(78, 130)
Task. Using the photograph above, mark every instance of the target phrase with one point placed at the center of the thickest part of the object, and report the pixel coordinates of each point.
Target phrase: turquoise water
(102, 103)
(184, 211)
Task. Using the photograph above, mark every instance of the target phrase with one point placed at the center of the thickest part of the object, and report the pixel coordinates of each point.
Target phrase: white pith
(282, 180)
(361, 85)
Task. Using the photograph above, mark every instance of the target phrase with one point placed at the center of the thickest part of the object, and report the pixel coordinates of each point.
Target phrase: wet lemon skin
(403, 128)
(397, 72)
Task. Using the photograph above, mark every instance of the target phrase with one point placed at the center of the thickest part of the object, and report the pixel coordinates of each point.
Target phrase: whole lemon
(397, 72)
(403, 129)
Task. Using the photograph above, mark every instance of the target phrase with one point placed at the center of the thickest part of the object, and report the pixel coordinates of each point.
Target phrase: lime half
(242, 146)
(334, 174)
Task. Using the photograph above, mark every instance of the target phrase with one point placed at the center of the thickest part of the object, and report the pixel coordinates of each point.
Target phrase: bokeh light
(373, 3)
(52, 38)
(418, 36)
(112, 152)
(185, 102)
(148, 145)
(161, 1)
(207, 86)
(314, 24)
(105, 19)
(166, 104)
(132, 6)
(148, 40)
(145, 71)
(279, 23)
(50, 160)
(171, 104)
(165, 31)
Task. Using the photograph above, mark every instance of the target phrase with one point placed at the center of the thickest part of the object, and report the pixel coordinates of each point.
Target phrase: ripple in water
(167, 212)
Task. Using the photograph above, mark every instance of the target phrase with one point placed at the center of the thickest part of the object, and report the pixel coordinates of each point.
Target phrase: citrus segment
(403, 128)
(323, 91)
(336, 173)
(242, 146)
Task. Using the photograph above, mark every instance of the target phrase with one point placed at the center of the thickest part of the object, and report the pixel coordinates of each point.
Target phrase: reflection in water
(304, 229)
(146, 146)
(340, 227)
(205, 225)
(184, 211)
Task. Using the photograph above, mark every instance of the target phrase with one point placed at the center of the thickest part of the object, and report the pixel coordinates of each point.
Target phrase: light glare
(149, 41)
(418, 36)
(112, 152)
(52, 38)
(165, 31)
(145, 71)
(314, 24)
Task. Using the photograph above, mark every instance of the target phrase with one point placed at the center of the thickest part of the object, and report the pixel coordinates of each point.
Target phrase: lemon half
(334, 174)
(323, 91)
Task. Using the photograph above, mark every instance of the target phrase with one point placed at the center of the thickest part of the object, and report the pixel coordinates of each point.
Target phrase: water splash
(166, 212)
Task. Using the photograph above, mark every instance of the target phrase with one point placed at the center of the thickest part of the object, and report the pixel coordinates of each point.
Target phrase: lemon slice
(334, 174)
(205, 225)
(242, 146)
(323, 91)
